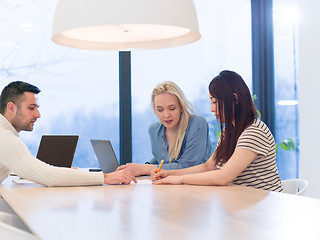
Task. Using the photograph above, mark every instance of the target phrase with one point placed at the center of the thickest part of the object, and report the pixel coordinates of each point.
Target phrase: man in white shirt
(19, 111)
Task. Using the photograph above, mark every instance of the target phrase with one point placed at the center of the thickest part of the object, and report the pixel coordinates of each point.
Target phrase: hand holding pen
(161, 163)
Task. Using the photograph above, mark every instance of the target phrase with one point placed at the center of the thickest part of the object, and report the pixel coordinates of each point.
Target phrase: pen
(161, 163)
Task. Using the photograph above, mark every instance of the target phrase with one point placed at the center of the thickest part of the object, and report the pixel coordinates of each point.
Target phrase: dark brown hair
(13, 93)
(236, 107)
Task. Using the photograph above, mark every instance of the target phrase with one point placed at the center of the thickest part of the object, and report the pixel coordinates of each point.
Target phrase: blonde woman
(180, 137)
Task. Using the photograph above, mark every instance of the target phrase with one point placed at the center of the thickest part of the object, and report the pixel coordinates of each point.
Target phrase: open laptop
(58, 150)
(105, 155)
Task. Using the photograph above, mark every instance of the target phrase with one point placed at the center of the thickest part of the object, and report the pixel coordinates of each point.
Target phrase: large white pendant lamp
(125, 25)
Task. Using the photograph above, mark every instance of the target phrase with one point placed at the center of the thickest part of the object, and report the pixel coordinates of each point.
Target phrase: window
(286, 85)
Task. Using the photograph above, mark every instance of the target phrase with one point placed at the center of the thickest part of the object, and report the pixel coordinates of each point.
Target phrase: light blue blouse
(195, 148)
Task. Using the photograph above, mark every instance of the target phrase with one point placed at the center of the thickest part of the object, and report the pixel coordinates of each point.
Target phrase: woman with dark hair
(245, 152)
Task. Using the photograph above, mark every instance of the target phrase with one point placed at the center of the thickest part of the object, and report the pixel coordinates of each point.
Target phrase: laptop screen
(57, 150)
(105, 155)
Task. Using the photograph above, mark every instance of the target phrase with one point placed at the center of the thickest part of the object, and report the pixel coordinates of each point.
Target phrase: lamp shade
(125, 24)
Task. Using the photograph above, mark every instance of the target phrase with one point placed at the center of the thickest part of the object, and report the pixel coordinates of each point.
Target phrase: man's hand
(119, 177)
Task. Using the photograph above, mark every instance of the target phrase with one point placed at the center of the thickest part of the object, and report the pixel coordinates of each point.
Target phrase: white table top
(145, 211)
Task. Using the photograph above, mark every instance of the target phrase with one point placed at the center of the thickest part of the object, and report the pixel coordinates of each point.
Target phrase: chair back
(295, 186)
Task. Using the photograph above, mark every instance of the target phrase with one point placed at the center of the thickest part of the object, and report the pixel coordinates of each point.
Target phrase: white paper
(22, 181)
(142, 181)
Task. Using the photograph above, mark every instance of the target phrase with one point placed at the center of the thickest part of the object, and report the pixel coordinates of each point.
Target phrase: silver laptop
(57, 150)
(105, 155)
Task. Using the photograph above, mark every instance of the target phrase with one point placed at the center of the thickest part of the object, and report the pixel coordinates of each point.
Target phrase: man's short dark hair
(13, 91)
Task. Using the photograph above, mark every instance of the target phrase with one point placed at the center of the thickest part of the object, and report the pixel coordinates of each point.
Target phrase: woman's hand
(137, 169)
(155, 175)
(175, 180)
(134, 168)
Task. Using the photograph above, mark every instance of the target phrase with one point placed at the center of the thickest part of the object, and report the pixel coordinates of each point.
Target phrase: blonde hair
(186, 114)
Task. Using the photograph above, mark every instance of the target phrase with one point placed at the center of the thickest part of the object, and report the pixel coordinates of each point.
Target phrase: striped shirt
(262, 172)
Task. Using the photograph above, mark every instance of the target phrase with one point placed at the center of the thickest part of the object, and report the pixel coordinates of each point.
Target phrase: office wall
(309, 90)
